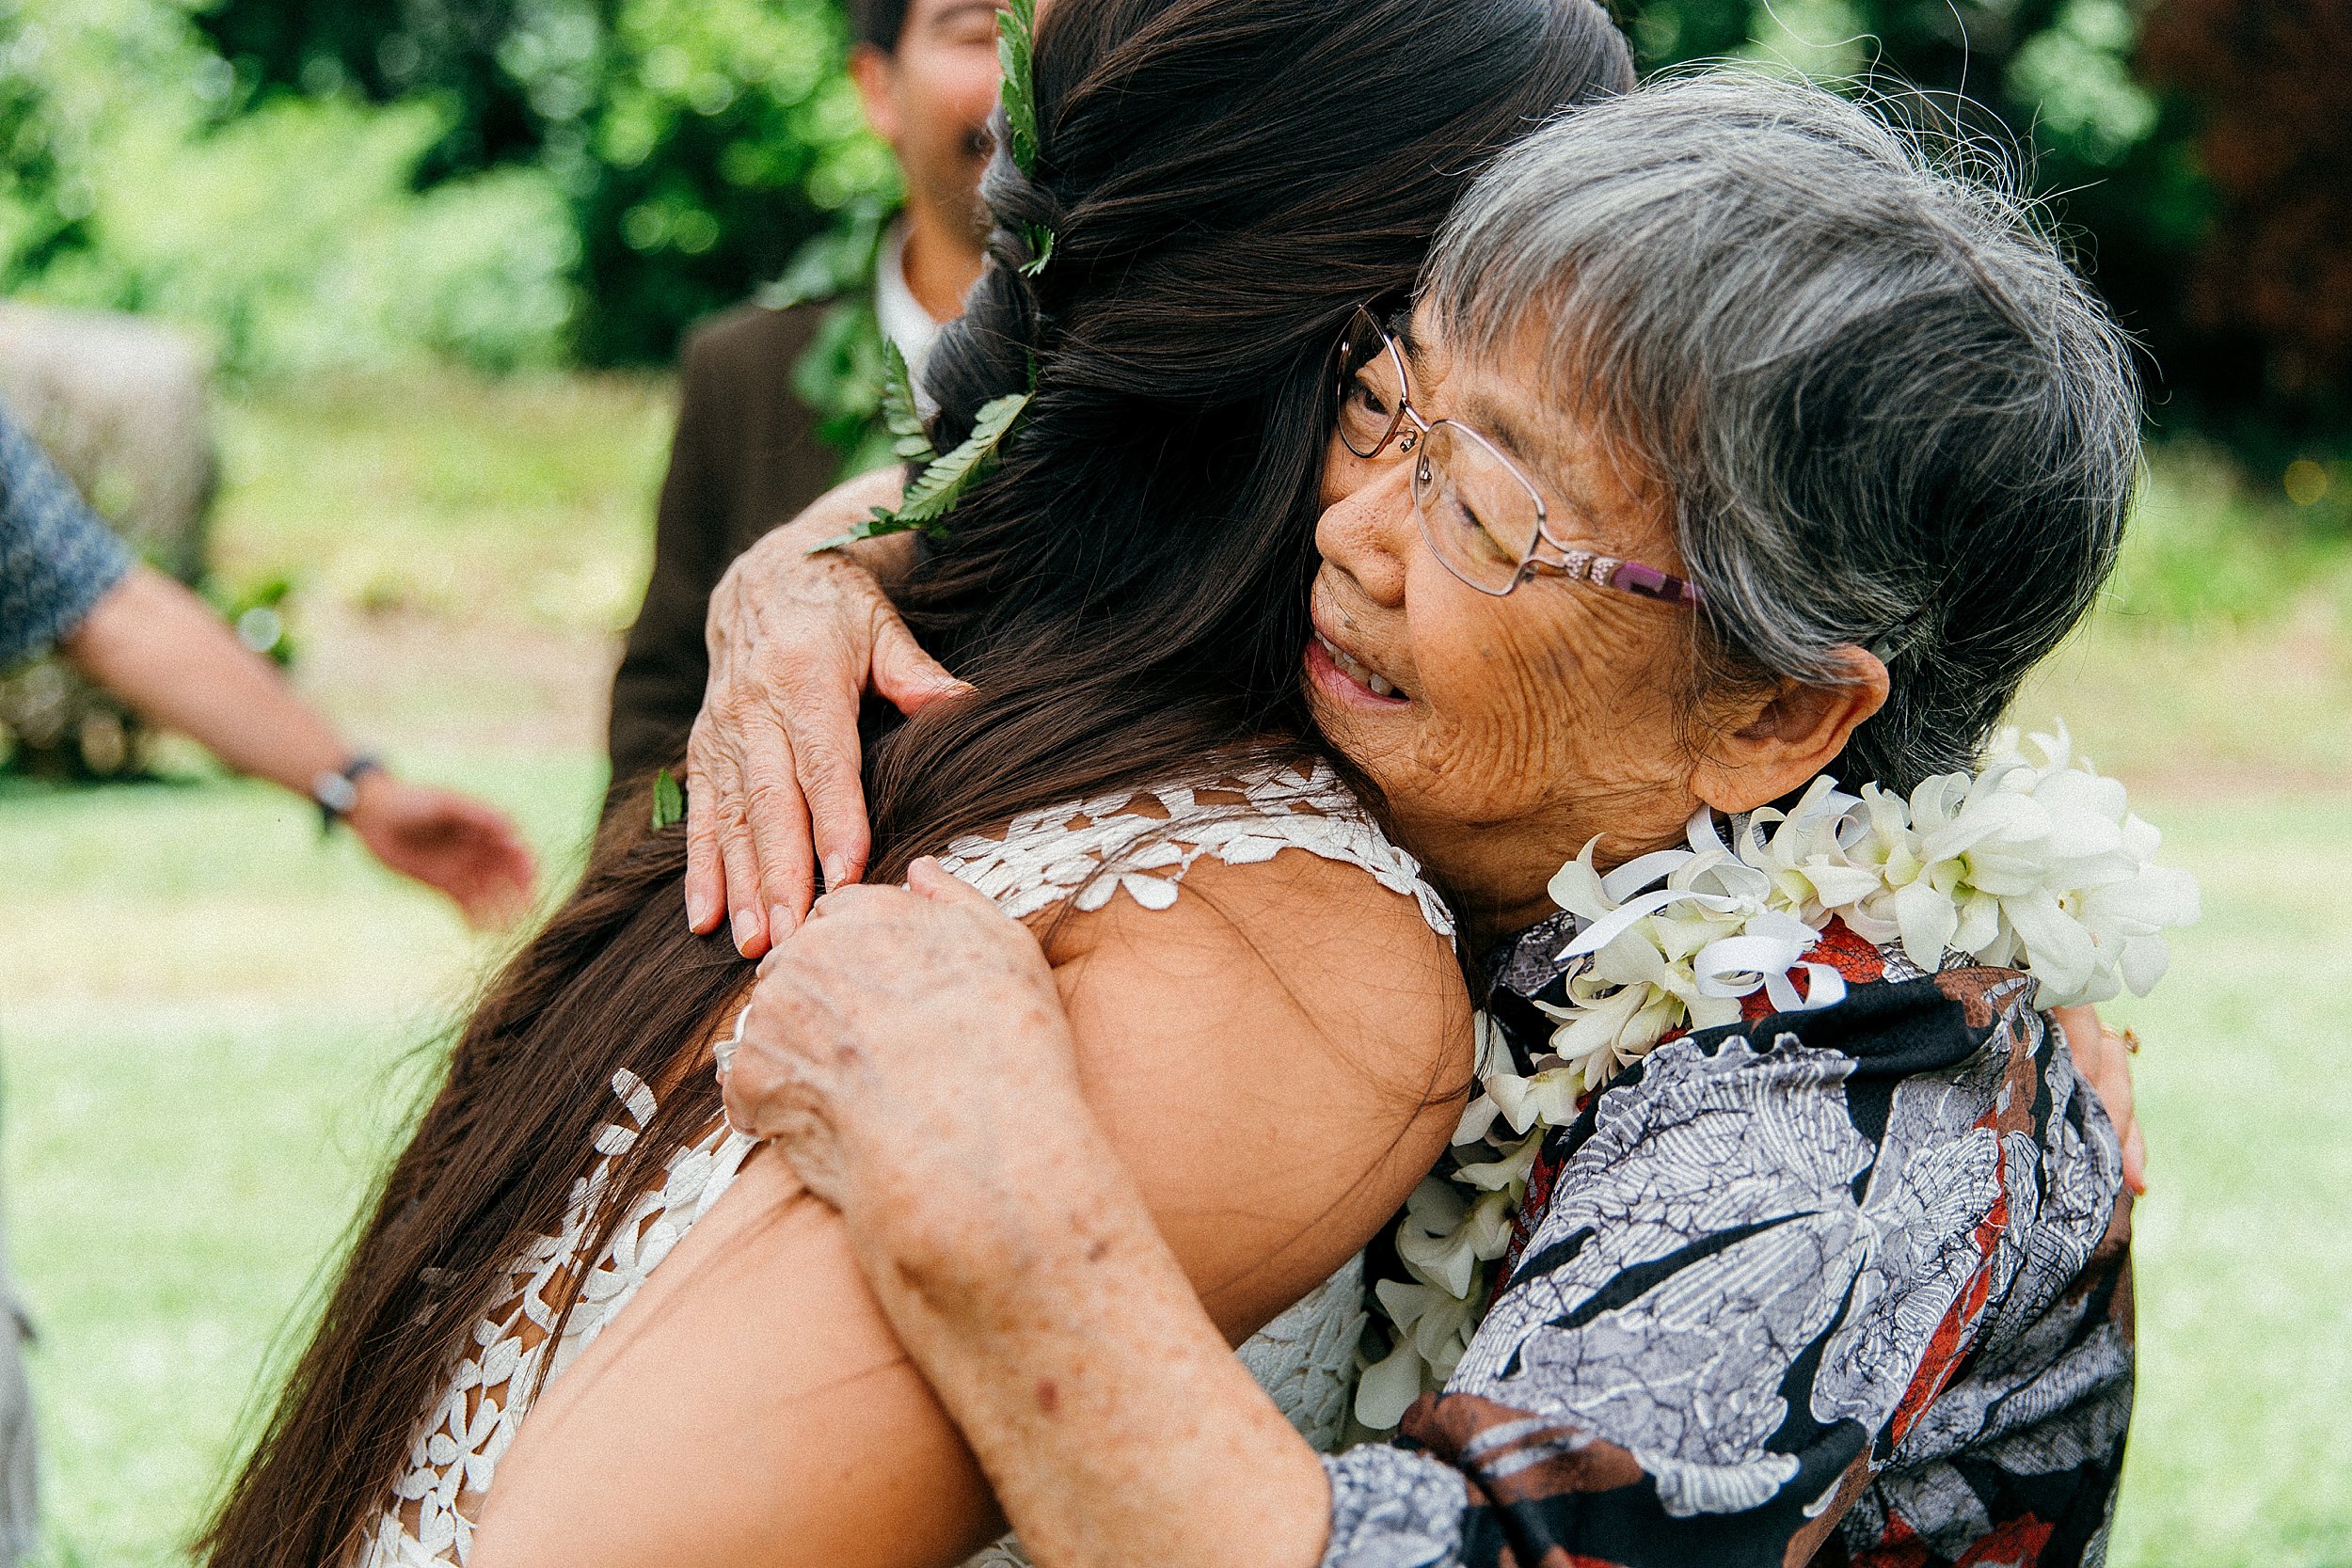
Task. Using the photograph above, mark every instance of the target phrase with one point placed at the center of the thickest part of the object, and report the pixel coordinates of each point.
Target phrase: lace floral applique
(451, 1459)
(1144, 842)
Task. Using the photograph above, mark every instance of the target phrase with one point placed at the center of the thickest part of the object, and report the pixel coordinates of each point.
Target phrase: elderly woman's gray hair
(1889, 413)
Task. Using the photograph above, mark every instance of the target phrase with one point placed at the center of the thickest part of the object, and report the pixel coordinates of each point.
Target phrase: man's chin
(976, 221)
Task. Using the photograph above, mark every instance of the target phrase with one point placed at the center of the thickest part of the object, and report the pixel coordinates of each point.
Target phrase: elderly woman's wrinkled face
(1505, 732)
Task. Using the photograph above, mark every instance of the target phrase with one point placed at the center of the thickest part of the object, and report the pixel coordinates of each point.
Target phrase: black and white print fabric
(1846, 1287)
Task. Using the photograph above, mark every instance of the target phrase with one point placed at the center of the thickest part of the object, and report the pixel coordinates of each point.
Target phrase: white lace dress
(1141, 845)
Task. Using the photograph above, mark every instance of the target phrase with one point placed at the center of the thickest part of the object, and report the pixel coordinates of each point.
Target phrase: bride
(587, 1319)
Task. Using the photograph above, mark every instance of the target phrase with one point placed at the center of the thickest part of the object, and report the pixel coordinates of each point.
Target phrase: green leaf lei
(841, 378)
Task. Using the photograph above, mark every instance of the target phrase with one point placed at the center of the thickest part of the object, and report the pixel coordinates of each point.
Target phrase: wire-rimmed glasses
(1483, 518)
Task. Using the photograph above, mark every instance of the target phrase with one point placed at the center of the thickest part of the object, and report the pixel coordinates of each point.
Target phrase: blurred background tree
(504, 183)
(698, 144)
(2199, 152)
(2263, 339)
(511, 182)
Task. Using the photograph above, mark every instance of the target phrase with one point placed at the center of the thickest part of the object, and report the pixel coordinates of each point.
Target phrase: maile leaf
(1040, 249)
(935, 492)
(669, 801)
(909, 441)
(1016, 33)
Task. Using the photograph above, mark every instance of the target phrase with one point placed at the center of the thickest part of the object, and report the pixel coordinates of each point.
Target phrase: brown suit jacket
(746, 457)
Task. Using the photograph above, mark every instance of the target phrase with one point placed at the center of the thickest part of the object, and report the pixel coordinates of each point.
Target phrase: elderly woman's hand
(771, 770)
(907, 1051)
(900, 1034)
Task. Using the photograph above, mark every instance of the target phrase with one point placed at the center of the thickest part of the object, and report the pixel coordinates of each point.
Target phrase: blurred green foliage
(518, 181)
(698, 144)
(294, 229)
(41, 211)
(322, 185)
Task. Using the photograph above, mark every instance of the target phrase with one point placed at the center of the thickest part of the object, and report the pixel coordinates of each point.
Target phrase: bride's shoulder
(1140, 846)
(1262, 913)
(1252, 971)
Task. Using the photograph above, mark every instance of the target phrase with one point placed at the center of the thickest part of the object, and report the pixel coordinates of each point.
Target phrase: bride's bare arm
(1272, 1058)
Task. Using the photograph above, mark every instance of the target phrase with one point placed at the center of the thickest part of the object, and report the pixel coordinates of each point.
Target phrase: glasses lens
(1371, 387)
(1478, 514)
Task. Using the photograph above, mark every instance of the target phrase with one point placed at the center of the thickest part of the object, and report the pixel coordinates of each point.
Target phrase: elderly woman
(1731, 445)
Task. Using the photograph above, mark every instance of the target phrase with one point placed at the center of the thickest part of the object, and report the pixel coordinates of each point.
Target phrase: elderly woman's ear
(1775, 739)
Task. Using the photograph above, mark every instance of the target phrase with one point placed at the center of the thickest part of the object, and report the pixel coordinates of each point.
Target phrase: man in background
(781, 397)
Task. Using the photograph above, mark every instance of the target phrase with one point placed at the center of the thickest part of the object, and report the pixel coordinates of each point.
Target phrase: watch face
(334, 792)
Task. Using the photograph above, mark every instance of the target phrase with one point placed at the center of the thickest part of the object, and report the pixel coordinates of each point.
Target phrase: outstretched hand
(466, 850)
(772, 779)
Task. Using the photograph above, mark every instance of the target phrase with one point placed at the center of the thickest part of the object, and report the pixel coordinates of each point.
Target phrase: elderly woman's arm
(1273, 1097)
(1778, 1259)
(1052, 1320)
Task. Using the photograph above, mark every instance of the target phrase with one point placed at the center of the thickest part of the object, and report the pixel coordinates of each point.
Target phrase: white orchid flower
(1443, 1239)
(1507, 1175)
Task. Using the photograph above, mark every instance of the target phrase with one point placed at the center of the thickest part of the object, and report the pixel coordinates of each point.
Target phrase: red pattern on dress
(1841, 950)
(2014, 1544)
(1898, 1546)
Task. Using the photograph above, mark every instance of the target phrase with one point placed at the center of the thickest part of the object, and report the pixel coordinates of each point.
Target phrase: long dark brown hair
(1225, 180)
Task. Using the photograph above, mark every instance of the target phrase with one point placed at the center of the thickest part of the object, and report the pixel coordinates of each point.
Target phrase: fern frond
(936, 490)
(669, 801)
(1016, 34)
(1040, 249)
(900, 416)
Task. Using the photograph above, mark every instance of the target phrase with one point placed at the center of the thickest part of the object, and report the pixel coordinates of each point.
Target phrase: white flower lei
(2037, 866)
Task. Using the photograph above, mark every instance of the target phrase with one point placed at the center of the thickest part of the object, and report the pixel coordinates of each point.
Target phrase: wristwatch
(336, 790)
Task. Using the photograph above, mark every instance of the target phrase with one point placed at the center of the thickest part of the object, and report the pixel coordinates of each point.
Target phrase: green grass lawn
(210, 1023)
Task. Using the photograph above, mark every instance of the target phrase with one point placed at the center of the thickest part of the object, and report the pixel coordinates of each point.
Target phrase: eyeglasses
(1484, 520)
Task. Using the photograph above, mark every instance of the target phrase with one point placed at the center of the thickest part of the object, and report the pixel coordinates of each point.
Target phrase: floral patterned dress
(1841, 1287)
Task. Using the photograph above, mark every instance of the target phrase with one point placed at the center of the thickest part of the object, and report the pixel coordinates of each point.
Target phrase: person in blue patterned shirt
(67, 581)
(57, 559)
